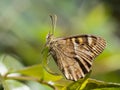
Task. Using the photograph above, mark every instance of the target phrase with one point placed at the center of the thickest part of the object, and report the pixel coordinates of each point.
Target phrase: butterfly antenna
(54, 20)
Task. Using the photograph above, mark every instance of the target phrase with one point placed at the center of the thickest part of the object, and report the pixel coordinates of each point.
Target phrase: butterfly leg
(48, 58)
(46, 67)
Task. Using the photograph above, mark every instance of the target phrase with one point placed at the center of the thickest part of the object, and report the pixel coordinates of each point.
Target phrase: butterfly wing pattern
(74, 55)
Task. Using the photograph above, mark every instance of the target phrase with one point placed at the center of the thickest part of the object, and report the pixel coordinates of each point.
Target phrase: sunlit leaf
(10, 66)
(51, 77)
(38, 86)
(35, 71)
(30, 85)
(92, 84)
(14, 85)
(96, 84)
(62, 84)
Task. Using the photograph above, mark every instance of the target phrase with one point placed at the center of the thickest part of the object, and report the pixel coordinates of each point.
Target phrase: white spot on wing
(75, 44)
(89, 40)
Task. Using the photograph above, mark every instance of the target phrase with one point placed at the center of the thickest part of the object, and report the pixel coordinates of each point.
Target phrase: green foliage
(92, 84)
(35, 71)
(23, 29)
(38, 76)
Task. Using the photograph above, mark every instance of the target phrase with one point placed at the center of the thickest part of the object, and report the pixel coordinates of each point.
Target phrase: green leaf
(62, 84)
(30, 85)
(92, 84)
(38, 86)
(38, 72)
(51, 77)
(35, 71)
(96, 84)
(14, 85)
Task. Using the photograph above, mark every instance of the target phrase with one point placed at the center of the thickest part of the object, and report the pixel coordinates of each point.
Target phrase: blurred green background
(24, 25)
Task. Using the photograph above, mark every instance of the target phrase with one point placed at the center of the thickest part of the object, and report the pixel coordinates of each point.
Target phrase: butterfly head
(49, 39)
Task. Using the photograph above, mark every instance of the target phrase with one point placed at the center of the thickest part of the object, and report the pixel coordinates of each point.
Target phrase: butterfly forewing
(74, 55)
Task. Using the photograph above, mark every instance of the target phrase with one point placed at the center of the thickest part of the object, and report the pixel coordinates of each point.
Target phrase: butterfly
(74, 55)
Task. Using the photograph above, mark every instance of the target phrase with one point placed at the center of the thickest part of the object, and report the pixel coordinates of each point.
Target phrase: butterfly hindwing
(74, 55)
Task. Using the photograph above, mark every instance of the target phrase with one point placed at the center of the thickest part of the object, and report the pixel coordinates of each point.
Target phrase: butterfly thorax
(49, 40)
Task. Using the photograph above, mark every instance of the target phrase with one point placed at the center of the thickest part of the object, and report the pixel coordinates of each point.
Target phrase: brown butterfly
(74, 55)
